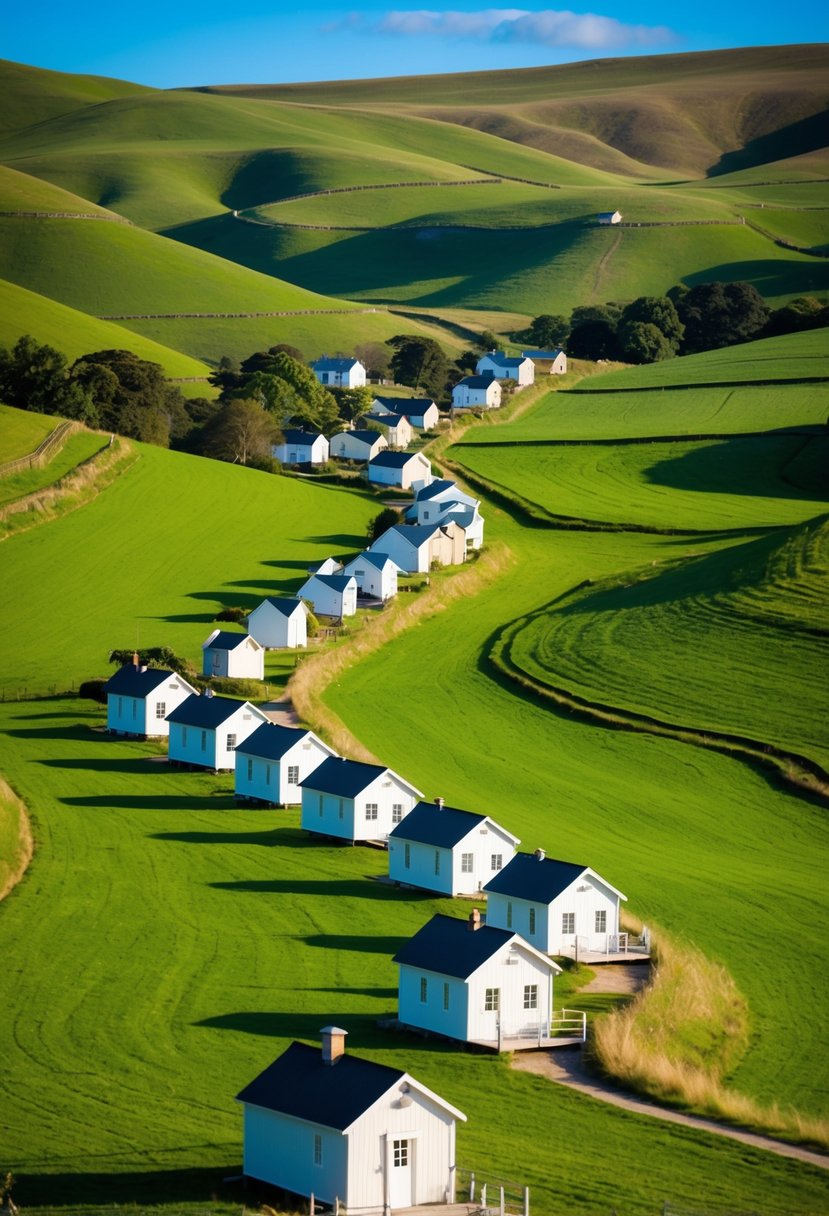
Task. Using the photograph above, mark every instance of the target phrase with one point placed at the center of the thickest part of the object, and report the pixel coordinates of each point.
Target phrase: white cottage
(507, 367)
(237, 656)
(206, 730)
(357, 445)
(396, 428)
(422, 412)
(272, 761)
(476, 392)
(441, 848)
(554, 362)
(353, 1133)
(355, 801)
(339, 373)
(560, 907)
(301, 447)
(375, 575)
(415, 548)
(279, 621)
(140, 698)
(331, 594)
(472, 982)
(401, 469)
(441, 502)
(609, 217)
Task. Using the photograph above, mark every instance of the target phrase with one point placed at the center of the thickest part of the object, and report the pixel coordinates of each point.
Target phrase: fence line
(38, 457)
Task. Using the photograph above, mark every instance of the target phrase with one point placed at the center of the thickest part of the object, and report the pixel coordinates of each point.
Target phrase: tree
(420, 363)
(799, 314)
(467, 361)
(133, 396)
(548, 331)
(609, 313)
(241, 433)
(594, 340)
(288, 389)
(227, 377)
(643, 342)
(353, 402)
(388, 518)
(721, 314)
(486, 341)
(32, 376)
(375, 358)
(657, 311)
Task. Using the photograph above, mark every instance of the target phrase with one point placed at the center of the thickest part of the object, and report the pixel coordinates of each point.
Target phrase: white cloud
(549, 27)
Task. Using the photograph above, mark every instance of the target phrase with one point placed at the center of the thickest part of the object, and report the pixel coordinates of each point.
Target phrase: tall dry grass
(16, 842)
(682, 1035)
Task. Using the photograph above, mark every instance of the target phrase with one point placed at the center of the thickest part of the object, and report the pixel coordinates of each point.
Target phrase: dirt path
(626, 978)
(282, 713)
(603, 261)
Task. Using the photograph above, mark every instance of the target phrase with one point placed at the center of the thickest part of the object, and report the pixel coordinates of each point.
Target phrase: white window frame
(492, 1000)
(293, 774)
(397, 812)
(231, 743)
(496, 861)
(467, 863)
(372, 811)
(568, 922)
(601, 920)
(531, 996)
(161, 709)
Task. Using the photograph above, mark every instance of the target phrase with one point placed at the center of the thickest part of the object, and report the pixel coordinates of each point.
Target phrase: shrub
(236, 615)
(93, 690)
(248, 690)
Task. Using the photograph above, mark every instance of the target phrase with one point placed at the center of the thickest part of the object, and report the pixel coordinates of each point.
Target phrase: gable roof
(477, 381)
(439, 486)
(347, 778)
(335, 582)
(389, 419)
(378, 560)
(448, 946)
(271, 741)
(369, 437)
(406, 405)
(415, 534)
(395, 460)
(208, 712)
(305, 438)
(334, 365)
(442, 827)
(283, 603)
(544, 354)
(539, 879)
(131, 681)
(225, 639)
(502, 360)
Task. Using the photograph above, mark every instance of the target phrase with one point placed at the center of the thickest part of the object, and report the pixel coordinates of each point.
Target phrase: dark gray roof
(333, 365)
(477, 381)
(498, 356)
(448, 946)
(392, 460)
(271, 741)
(415, 534)
(344, 778)
(436, 487)
(544, 354)
(208, 712)
(363, 436)
(301, 437)
(336, 582)
(442, 827)
(406, 406)
(533, 878)
(130, 681)
(225, 639)
(378, 560)
(390, 418)
(300, 1085)
(287, 606)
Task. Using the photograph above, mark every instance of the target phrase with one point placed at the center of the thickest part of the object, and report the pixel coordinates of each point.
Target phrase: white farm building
(355, 801)
(205, 731)
(236, 656)
(440, 848)
(279, 622)
(139, 700)
(271, 763)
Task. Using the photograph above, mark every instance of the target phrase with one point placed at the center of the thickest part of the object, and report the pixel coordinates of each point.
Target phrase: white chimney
(539, 854)
(439, 803)
(333, 1044)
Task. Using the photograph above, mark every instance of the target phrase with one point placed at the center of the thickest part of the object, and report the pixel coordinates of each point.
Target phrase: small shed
(357, 445)
(440, 848)
(609, 217)
(402, 469)
(553, 362)
(140, 698)
(301, 447)
(396, 428)
(472, 982)
(279, 621)
(355, 801)
(272, 761)
(206, 730)
(330, 565)
(422, 412)
(339, 372)
(476, 392)
(235, 655)
(558, 906)
(414, 547)
(332, 595)
(507, 367)
(352, 1133)
(375, 575)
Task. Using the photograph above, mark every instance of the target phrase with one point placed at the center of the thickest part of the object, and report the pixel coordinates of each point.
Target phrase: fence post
(526, 1201)
(311, 1204)
(502, 1201)
(472, 1186)
(483, 1195)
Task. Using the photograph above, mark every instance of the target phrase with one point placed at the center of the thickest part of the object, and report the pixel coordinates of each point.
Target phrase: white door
(400, 1174)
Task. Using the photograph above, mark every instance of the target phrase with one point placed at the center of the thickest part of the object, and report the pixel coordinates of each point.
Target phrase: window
(437, 861)
(134, 708)
(397, 812)
(531, 996)
(231, 743)
(120, 706)
(371, 810)
(492, 1000)
(496, 862)
(320, 805)
(424, 989)
(532, 920)
(293, 774)
(341, 809)
(161, 709)
(317, 1149)
(568, 922)
(250, 768)
(267, 774)
(601, 922)
(509, 914)
(445, 997)
(204, 740)
(407, 856)
(400, 1153)
(467, 863)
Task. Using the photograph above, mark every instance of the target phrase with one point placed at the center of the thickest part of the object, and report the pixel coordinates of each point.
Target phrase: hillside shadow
(278, 1025)
(345, 540)
(103, 765)
(750, 466)
(91, 1189)
(771, 277)
(360, 945)
(358, 888)
(806, 135)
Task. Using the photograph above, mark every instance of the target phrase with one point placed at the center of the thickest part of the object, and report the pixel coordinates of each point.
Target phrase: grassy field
(79, 447)
(21, 432)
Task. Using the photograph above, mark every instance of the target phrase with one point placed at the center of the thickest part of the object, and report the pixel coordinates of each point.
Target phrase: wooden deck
(593, 958)
(527, 1044)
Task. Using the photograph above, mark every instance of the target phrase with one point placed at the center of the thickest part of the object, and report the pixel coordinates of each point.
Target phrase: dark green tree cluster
(420, 363)
(282, 385)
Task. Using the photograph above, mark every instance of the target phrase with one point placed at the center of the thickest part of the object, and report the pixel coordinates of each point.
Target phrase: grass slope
(21, 432)
(35, 95)
(79, 447)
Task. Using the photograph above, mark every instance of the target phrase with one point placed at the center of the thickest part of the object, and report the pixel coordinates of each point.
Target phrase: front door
(400, 1174)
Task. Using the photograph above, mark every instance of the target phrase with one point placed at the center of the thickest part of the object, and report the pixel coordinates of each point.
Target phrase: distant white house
(609, 217)
(330, 565)
(560, 907)
(476, 392)
(331, 594)
(554, 362)
(402, 469)
(422, 412)
(443, 501)
(396, 428)
(206, 730)
(301, 447)
(415, 548)
(375, 575)
(348, 1131)
(357, 445)
(279, 621)
(272, 761)
(441, 848)
(507, 367)
(475, 983)
(140, 698)
(355, 801)
(339, 373)
(235, 655)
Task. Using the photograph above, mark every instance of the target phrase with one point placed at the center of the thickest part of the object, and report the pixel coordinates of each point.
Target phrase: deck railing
(569, 1023)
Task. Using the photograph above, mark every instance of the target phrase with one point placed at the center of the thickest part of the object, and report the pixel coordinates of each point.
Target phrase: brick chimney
(474, 921)
(333, 1044)
(135, 660)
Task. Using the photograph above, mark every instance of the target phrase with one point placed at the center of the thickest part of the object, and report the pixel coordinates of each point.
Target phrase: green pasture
(734, 482)
(808, 229)
(75, 333)
(23, 192)
(803, 356)
(35, 95)
(79, 447)
(21, 432)
(134, 1035)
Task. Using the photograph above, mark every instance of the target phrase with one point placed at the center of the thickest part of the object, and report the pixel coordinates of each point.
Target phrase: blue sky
(212, 42)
